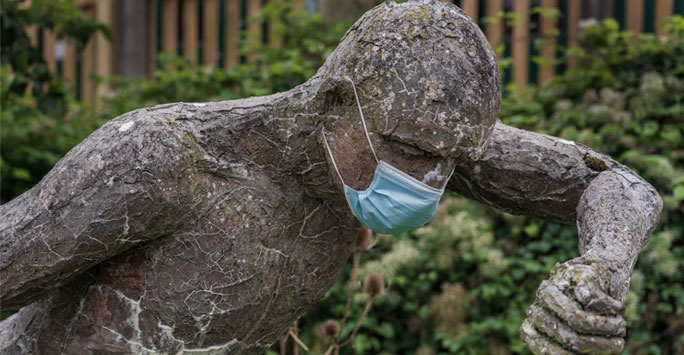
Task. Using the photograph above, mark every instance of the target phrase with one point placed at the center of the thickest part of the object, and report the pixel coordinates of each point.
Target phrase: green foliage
(25, 60)
(39, 121)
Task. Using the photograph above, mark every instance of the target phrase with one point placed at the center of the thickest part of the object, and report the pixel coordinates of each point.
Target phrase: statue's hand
(573, 313)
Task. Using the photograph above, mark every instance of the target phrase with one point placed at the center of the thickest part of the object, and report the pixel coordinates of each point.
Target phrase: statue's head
(426, 76)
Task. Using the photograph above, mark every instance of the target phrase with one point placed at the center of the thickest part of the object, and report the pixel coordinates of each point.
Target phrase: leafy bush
(39, 120)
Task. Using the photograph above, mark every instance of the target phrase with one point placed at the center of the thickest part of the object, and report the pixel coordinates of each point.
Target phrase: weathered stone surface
(210, 227)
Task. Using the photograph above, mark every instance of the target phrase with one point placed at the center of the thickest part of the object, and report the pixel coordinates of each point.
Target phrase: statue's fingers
(539, 343)
(580, 320)
(589, 344)
(594, 299)
(551, 326)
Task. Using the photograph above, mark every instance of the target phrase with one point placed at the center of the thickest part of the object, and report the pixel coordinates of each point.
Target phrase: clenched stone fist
(574, 312)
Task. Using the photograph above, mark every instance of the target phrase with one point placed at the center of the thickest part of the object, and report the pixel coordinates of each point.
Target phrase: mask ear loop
(448, 178)
(363, 120)
(325, 140)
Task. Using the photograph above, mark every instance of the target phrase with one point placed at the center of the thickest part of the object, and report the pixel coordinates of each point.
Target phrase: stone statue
(208, 228)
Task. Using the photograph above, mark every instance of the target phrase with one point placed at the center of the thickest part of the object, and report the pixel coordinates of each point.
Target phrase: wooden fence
(634, 15)
(204, 31)
(207, 32)
(78, 67)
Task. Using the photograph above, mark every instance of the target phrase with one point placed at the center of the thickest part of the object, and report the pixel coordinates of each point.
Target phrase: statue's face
(427, 78)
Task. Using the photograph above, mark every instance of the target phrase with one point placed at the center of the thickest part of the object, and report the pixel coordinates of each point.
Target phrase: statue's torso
(196, 289)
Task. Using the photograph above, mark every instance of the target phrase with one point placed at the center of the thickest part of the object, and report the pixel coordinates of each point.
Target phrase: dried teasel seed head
(363, 238)
(331, 328)
(374, 285)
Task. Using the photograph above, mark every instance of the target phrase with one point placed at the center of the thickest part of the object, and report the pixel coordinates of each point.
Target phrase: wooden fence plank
(548, 48)
(664, 9)
(49, 42)
(275, 38)
(152, 38)
(574, 17)
(634, 20)
(88, 85)
(103, 52)
(87, 67)
(210, 36)
(253, 29)
(495, 30)
(471, 7)
(521, 46)
(69, 63)
(32, 33)
(170, 26)
(190, 29)
(232, 38)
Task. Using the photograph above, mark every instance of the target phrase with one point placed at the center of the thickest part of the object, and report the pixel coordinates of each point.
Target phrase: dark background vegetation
(462, 283)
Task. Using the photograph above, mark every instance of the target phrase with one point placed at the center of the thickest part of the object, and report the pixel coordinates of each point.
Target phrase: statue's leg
(115, 317)
(100, 312)
(42, 327)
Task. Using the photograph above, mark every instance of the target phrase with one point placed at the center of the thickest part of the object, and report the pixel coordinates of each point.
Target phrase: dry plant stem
(352, 283)
(294, 331)
(367, 309)
(333, 349)
(283, 344)
(298, 341)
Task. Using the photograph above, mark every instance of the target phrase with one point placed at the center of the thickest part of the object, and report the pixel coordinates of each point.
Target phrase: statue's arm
(118, 188)
(615, 210)
(528, 173)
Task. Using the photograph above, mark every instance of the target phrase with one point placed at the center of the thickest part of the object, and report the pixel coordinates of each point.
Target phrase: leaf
(21, 174)
(532, 229)
(679, 193)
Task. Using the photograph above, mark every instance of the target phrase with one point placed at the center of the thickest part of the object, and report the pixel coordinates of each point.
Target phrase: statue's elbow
(653, 205)
(640, 191)
(658, 206)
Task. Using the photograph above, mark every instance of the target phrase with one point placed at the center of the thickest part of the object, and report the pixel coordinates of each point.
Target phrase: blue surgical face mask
(394, 202)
